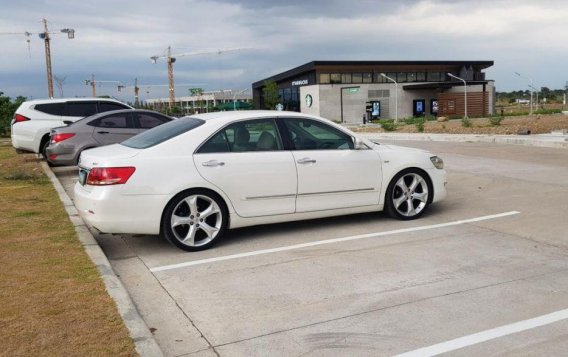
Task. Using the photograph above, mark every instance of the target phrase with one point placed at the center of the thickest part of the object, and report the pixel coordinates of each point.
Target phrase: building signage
(309, 100)
(300, 82)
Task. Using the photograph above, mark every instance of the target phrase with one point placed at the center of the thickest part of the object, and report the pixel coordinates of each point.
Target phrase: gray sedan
(67, 142)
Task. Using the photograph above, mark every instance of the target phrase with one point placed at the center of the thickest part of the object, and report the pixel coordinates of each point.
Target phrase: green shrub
(419, 122)
(496, 121)
(548, 111)
(408, 121)
(388, 125)
(466, 122)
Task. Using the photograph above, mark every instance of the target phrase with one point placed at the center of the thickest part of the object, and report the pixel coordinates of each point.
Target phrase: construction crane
(45, 36)
(170, 59)
(93, 83)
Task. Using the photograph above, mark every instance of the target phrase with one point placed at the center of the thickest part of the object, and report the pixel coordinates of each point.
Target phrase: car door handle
(102, 132)
(306, 160)
(213, 163)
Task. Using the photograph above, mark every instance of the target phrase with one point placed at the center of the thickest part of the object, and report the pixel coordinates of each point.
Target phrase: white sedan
(192, 179)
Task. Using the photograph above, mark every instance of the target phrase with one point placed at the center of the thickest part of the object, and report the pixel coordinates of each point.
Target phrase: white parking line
(487, 335)
(329, 241)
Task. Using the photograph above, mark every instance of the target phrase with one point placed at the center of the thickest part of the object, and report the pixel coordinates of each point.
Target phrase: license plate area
(83, 173)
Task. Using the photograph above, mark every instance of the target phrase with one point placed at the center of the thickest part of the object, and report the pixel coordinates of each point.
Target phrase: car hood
(384, 147)
(106, 155)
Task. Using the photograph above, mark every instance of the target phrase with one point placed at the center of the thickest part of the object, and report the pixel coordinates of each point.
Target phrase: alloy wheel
(196, 220)
(410, 195)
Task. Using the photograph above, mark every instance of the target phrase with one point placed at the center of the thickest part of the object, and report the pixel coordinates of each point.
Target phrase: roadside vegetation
(54, 302)
(7, 108)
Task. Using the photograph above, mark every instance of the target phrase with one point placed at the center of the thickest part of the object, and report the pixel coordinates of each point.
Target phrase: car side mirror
(360, 145)
(67, 122)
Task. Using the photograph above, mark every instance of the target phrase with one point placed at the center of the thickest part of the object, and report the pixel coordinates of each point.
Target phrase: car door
(332, 173)
(247, 162)
(114, 128)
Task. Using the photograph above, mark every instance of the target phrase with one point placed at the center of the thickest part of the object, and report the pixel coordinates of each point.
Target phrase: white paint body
(258, 187)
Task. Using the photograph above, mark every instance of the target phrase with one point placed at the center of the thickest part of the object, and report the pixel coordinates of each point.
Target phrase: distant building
(204, 102)
(348, 90)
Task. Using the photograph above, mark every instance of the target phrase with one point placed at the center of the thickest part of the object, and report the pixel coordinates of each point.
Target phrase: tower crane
(93, 83)
(170, 59)
(45, 36)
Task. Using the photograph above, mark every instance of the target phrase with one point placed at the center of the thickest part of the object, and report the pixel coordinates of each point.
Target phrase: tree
(270, 92)
(59, 80)
(7, 110)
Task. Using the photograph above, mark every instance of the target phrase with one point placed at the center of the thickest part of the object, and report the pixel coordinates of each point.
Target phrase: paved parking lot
(494, 254)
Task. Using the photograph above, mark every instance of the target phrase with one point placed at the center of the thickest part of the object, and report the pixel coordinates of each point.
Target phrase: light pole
(395, 96)
(464, 91)
(532, 88)
(537, 101)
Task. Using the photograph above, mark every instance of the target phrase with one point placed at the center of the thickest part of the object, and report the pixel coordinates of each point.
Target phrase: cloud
(114, 40)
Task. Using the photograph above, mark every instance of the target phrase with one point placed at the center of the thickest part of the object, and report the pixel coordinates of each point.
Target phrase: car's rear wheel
(195, 220)
(408, 194)
(43, 146)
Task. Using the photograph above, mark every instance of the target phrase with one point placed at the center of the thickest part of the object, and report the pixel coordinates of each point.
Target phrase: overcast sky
(114, 40)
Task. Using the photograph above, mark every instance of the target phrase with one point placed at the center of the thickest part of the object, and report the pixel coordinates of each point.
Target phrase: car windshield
(162, 133)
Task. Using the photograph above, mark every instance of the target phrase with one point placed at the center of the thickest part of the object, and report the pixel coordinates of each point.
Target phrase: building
(203, 102)
(347, 91)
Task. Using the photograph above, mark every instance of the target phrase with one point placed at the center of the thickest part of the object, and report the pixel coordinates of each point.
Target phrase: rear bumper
(106, 209)
(22, 144)
(65, 155)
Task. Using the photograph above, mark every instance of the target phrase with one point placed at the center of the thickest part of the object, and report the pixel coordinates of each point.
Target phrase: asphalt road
(479, 267)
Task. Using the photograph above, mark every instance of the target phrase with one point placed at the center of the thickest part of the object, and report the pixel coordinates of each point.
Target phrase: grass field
(53, 302)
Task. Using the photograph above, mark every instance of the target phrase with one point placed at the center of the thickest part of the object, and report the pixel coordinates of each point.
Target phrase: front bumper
(439, 182)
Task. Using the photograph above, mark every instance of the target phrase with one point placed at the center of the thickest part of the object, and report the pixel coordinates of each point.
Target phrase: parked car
(34, 119)
(106, 128)
(196, 177)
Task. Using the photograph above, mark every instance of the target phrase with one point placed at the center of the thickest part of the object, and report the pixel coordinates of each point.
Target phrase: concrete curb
(544, 140)
(139, 332)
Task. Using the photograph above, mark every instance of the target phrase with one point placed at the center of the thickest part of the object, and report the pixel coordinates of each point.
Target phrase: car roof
(63, 100)
(249, 114)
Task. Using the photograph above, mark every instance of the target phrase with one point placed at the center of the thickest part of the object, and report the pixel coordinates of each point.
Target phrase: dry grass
(537, 124)
(53, 301)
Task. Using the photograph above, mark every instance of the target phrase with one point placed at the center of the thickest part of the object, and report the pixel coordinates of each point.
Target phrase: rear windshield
(162, 133)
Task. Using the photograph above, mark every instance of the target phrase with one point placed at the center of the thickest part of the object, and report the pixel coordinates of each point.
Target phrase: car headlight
(437, 162)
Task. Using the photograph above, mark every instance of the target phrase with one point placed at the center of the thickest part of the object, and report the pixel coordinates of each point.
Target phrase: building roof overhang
(439, 85)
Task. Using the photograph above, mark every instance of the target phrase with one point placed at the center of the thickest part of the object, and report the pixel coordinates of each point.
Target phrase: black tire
(409, 205)
(43, 147)
(201, 238)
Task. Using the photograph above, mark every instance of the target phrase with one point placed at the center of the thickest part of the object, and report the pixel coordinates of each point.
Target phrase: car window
(51, 108)
(108, 106)
(81, 109)
(163, 133)
(308, 134)
(245, 136)
(149, 120)
(116, 121)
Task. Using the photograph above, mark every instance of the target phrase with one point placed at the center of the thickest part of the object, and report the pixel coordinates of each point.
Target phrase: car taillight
(60, 137)
(18, 118)
(103, 176)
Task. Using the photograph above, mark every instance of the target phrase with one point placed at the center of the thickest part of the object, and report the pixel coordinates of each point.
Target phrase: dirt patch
(54, 302)
(537, 124)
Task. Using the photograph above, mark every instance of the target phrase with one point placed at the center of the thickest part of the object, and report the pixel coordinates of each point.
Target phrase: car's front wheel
(195, 220)
(408, 194)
